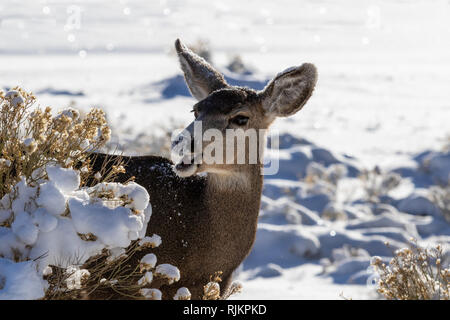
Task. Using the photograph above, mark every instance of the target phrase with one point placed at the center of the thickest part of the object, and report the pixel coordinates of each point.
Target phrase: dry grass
(414, 273)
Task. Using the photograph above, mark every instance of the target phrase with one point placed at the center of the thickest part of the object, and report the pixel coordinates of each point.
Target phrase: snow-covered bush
(211, 291)
(116, 273)
(59, 237)
(54, 222)
(414, 273)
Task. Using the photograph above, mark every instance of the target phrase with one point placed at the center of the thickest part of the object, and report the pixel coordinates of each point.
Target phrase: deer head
(224, 111)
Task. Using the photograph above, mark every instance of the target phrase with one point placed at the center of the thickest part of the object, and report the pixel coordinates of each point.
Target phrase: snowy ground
(382, 98)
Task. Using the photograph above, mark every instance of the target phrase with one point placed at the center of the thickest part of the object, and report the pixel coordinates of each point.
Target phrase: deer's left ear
(288, 92)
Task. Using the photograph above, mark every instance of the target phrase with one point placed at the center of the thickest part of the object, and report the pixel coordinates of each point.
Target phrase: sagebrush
(414, 273)
(31, 138)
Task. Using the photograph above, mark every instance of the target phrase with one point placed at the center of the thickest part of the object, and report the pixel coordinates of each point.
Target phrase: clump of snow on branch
(76, 277)
(148, 262)
(151, 294)
(169, 272)
(147, 278)
(150, 270)
(183, 293)
(152, 242)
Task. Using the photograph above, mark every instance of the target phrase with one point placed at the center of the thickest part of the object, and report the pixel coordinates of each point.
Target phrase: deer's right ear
(200, 76)
(288, 92)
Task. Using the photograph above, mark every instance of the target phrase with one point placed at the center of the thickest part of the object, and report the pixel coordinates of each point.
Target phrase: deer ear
(200, 76)
(288, 92)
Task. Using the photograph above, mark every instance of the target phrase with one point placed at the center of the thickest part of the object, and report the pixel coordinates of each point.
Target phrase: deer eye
(239, 120)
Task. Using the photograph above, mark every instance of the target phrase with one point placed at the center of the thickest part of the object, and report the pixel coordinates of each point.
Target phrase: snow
(43, 220)
(322, 234)
(148, 261)
(168, 271)
(51, 199)
(63, 247)
(382, 99)
(47, 271)
(153, 241)
(147, 278)
(151, 294)
(5, 162)
(76, 277)
(113, 227)
(24, 229)
(116, 253)
(67, 180)
(182, 293)
(15, 97)
(418, 204)
(137, 194)
(20, 281)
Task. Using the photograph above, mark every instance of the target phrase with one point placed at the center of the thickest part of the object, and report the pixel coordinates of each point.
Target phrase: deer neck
(247, 179)
(233, 203)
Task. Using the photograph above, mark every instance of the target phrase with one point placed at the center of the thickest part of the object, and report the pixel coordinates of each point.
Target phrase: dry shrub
(108, 278)
(414, 273)
(315, 173)
(236, 287)
(237, 65)
(377, 183)
(440, 196)
(31, 138)
(211, 291)
(117, 275)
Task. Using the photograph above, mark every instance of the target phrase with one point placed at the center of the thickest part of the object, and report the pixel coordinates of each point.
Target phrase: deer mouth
(187, 166)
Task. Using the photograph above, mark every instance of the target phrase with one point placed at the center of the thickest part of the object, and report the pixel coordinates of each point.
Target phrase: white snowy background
(382, 99)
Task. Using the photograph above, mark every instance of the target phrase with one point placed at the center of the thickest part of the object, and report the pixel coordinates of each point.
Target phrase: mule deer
(208, 222)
